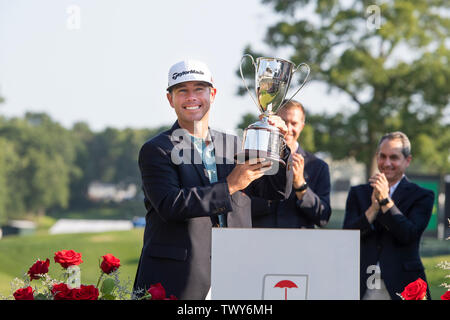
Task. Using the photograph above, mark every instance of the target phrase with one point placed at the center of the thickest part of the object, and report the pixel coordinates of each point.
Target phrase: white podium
(284, 264)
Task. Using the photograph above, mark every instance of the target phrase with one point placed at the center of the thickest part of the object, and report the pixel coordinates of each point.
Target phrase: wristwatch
(384, 201)
(302, 188)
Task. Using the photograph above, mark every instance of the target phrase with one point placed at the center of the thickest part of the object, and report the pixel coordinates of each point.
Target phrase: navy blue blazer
(313, 209)
(182, 207)
(393, 238)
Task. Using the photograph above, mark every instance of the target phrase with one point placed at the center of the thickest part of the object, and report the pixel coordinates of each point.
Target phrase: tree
(108, 156)
(44, 154)
(46, 167)
(247, 119)
(10, 201)
(82, 135)
(394, 67)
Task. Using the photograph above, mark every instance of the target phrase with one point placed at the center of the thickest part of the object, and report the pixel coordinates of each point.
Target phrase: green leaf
(40, 296)
(108, 286)
(108, 297)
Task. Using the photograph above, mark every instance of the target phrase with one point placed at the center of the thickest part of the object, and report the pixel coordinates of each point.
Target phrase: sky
(105, 62)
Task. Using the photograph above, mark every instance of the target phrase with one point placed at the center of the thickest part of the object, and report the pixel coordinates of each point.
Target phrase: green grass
(435, 275)
(17, 254)
(125, 210)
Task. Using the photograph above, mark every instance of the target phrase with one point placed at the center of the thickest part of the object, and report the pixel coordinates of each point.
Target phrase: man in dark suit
(392, 214)
(191, 183)
(309, 202)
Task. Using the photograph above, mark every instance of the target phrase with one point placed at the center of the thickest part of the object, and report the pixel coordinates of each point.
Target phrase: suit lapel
(198, 165)
(201, 171)
(223, 150)
(179, 135)
(401, 193)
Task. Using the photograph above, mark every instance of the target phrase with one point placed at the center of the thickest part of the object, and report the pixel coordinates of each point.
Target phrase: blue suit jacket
(393, 238)
(294, 213)
(182, 207)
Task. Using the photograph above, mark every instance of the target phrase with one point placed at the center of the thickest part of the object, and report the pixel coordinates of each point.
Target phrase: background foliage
(45, 167)
(393, 66)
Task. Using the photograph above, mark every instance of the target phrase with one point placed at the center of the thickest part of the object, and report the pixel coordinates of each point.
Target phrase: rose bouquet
(416, 290)
(157, 292)
(108, 286)
(445, 265)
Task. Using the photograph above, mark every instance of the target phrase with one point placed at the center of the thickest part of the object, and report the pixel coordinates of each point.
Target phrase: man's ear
(213, 92)
(169, 97)
(408, 160)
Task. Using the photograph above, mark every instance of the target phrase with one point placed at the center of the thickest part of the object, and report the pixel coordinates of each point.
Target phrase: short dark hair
(397, 135)
(287, 104)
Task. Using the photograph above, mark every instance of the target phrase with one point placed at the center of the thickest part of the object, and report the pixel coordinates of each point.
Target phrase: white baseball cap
(189, 70)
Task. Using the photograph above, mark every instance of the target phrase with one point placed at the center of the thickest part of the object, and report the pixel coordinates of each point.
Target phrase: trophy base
(247, 155)
(262, 140)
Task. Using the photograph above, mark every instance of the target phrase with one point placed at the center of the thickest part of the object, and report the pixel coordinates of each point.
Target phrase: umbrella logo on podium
(285, 286)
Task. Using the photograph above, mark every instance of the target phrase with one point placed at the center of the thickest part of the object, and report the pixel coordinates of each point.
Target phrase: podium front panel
(284, 264)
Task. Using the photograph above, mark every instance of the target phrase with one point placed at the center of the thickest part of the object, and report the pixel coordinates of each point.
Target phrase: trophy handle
(242, 76)
(301, 86)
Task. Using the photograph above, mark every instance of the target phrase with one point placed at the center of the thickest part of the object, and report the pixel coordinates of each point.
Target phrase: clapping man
(391, 212)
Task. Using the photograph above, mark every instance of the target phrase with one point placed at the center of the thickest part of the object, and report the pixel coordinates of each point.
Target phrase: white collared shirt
(392, 189)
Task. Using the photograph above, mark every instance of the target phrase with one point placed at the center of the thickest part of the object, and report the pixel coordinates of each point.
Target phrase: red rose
(24, 294)
(446, 295)
(61, 291)
(68, 258)
(416, 290)
(85, 293)
(109, 263)
(39, 267)
(157, 291)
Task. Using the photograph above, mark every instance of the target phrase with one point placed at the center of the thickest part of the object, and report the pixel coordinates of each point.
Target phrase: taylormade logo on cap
(189, 70)
(176, 74)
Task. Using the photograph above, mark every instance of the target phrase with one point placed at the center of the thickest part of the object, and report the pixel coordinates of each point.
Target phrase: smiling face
(192, 101)
(295, 121)
(391, 160)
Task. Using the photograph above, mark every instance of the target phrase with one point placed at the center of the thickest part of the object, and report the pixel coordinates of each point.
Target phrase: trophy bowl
(272, 80)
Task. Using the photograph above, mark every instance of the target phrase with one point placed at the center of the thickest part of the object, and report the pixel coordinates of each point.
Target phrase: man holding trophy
(195, 178)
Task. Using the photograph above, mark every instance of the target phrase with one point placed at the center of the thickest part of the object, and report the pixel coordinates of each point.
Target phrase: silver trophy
(272, 79)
